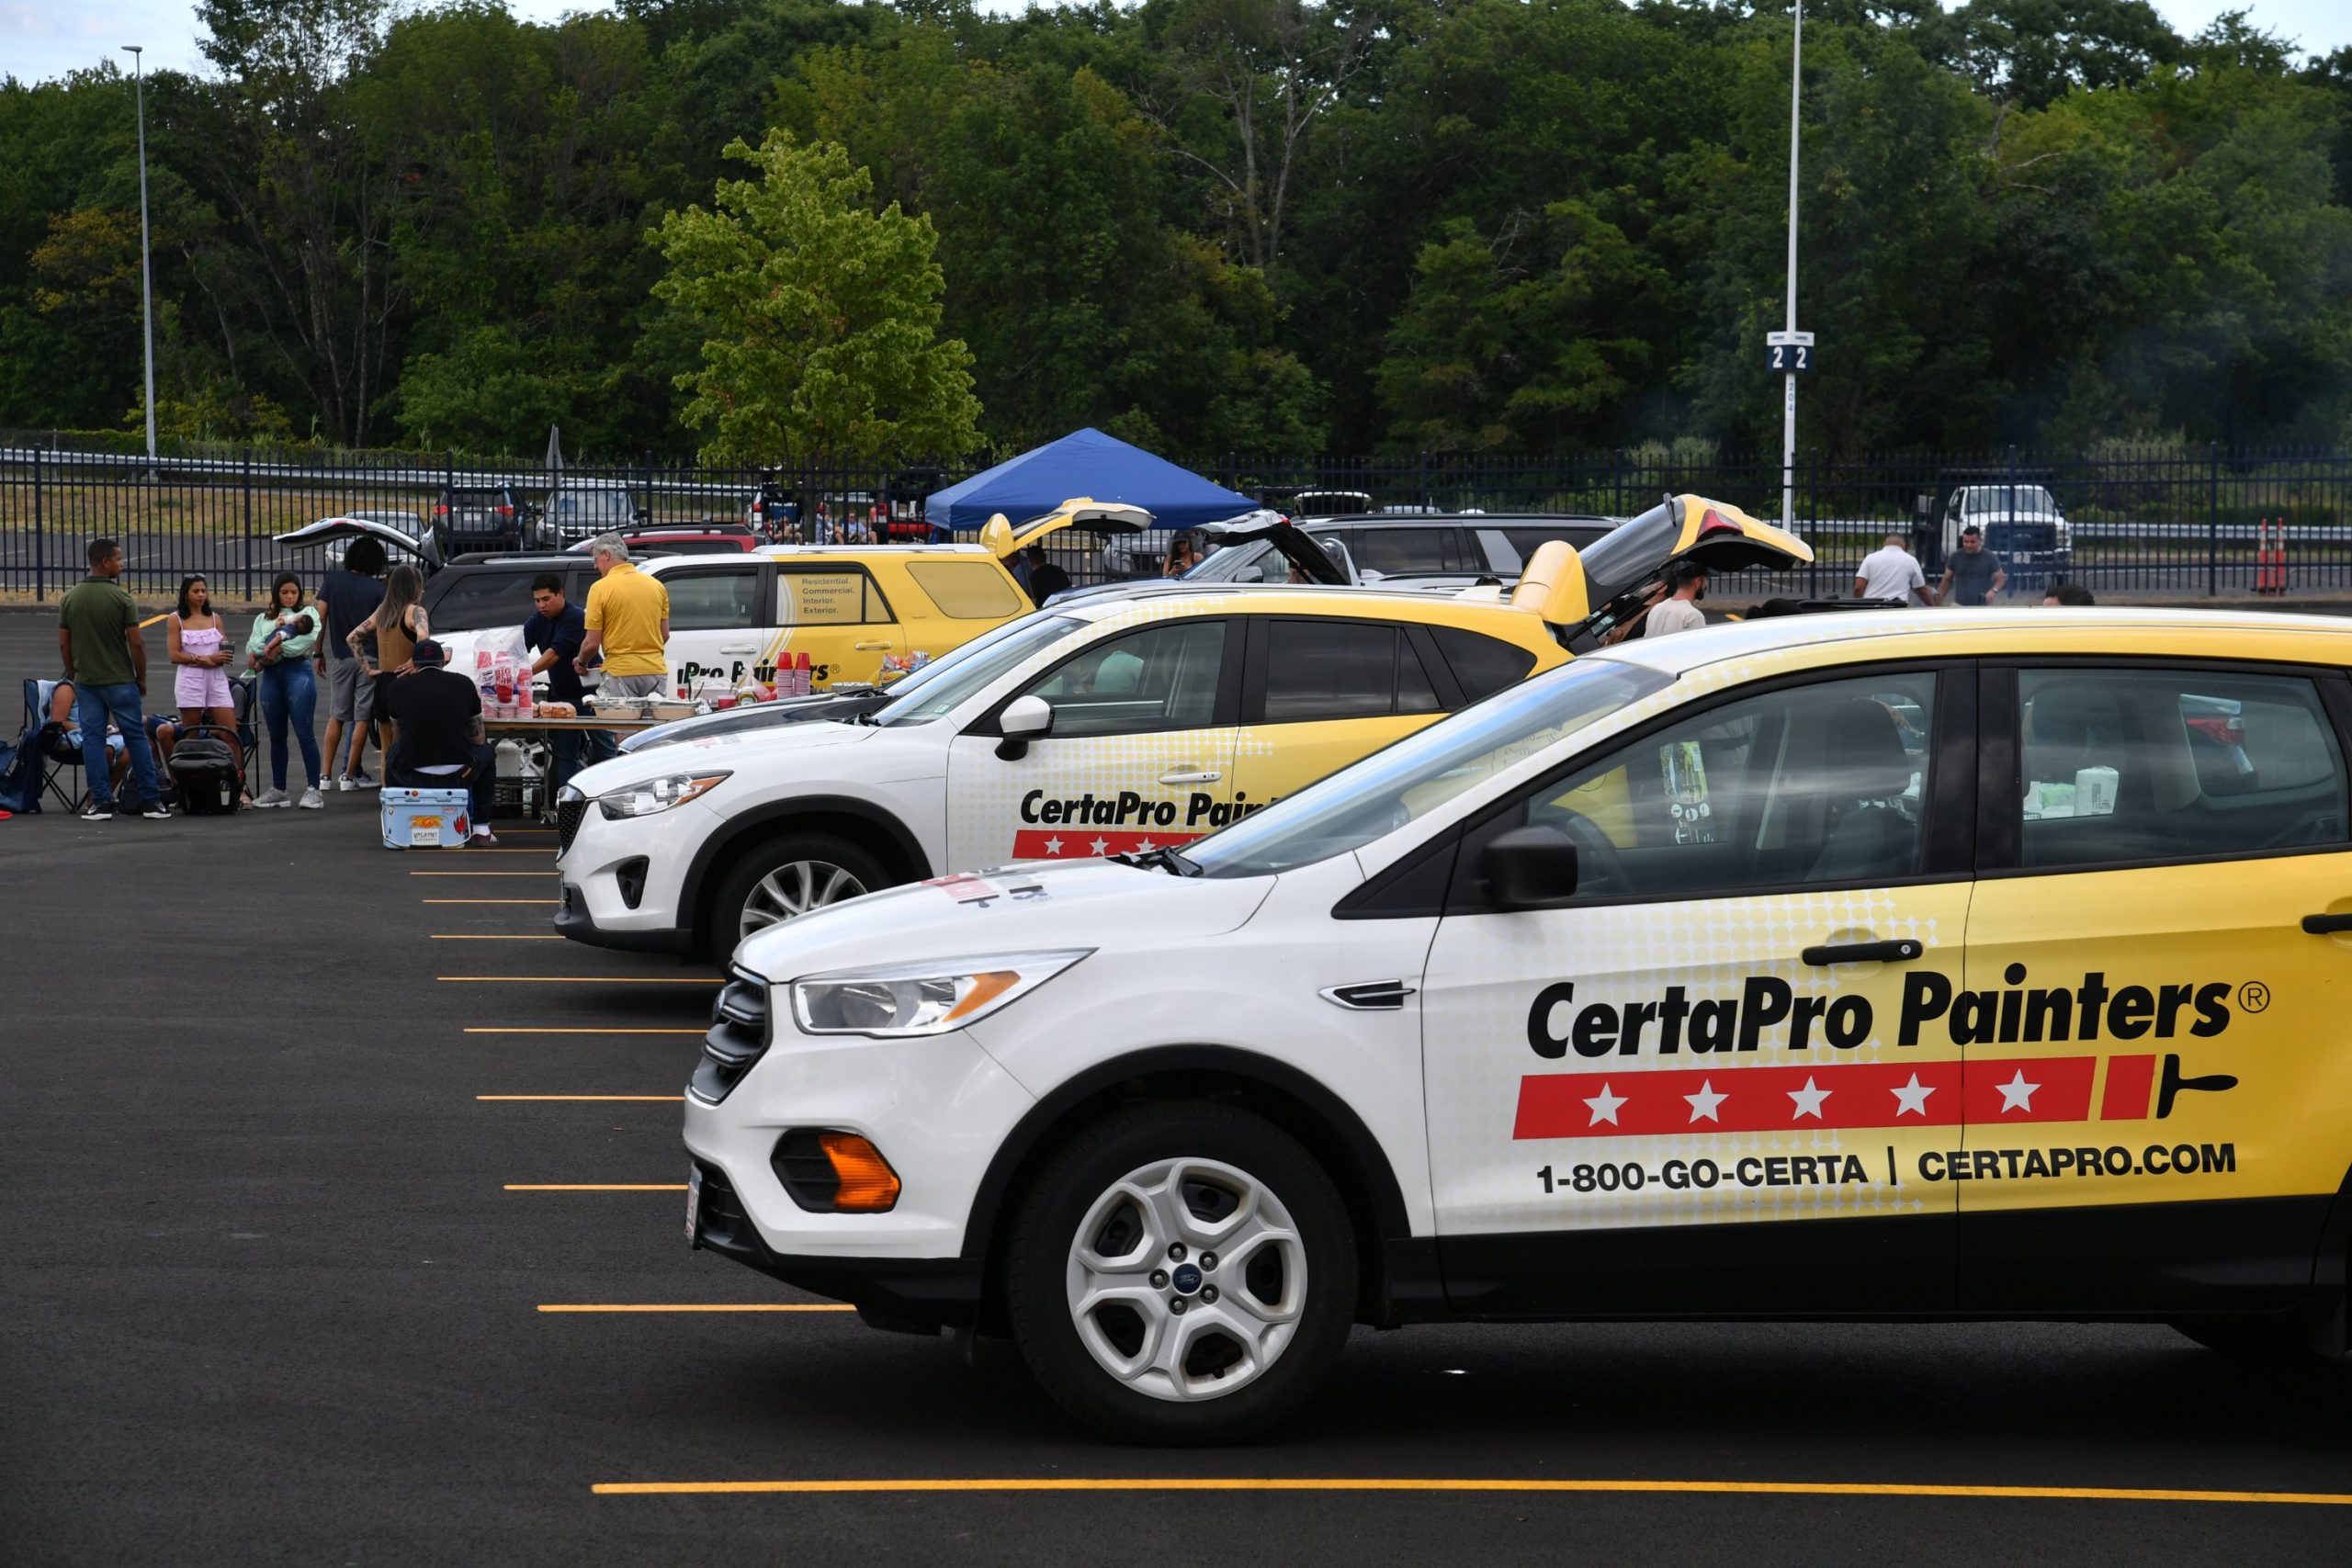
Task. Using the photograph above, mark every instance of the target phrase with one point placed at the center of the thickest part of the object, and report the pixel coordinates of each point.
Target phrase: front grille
(738, 1036)
(568, 815)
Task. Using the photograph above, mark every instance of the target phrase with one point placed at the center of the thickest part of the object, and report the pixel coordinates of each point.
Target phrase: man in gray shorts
(349, 596)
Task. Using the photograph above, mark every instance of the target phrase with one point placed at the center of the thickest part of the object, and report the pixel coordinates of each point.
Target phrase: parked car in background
(481, 517)
(581, 508)
(2021, 523)
(1374, 546)
(683, 539)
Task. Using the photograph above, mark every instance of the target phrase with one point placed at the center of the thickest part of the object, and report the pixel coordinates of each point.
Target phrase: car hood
(720, 753)
(1027, 906)
(754, 719)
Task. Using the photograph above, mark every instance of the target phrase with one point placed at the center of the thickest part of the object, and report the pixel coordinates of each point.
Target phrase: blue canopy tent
(1089, 463)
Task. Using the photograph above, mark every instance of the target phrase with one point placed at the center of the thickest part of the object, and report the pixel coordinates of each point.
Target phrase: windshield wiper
(1162, 858)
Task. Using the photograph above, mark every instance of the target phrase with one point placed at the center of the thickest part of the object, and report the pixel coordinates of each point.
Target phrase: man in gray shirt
(1974, 576)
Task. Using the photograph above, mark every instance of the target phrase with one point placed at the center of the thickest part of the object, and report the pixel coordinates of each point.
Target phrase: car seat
(1865, 772)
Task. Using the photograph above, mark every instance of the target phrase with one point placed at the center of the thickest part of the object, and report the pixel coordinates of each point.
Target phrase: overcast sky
(41, 39)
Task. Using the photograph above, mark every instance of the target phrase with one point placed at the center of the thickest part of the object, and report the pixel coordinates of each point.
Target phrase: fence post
(1811, 494)
(40, 535)
(248, 489)
(2212, 519)
(1421, 481)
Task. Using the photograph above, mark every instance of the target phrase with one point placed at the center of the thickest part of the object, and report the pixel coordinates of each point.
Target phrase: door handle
(871, 646)
(1210, 776)
(747, 648)
(1901, 950)
(2328, 925)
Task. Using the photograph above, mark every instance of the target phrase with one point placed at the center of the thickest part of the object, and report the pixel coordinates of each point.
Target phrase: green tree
(820, 317)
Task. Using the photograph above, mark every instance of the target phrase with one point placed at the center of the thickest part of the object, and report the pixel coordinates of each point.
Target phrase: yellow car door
(837, 614)
(2159, 965)
(1320, 692)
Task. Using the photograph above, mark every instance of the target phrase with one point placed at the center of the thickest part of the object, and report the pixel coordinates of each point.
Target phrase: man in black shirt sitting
(441, 743)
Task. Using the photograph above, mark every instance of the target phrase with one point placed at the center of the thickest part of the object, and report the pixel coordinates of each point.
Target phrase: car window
(1394, 551)
(1328, 670)
(967, 589)
(1482, 664)
(1139, 682)
(1396, 786)
(2124, 767)
(708, 600)
(1520, 541)
(1809, 786)
(829, 596)
(472, 601)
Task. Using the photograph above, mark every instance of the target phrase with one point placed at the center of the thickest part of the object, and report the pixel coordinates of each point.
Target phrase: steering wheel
(1600, 868)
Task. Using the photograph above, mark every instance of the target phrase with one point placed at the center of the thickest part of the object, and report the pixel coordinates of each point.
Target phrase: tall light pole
(1794, 354)
(146, 269)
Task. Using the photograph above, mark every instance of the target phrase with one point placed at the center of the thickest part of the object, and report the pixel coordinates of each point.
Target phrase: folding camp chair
(48, 740)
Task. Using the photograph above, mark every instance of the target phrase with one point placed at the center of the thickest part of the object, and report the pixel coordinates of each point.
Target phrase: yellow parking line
(473, 1030)
(596, 1187)
(634, 1098)
(482, 872)
(579, 980)
(540, 903)
(462, 936)
(1450, 1484)
(507, 851)
(695, 1306)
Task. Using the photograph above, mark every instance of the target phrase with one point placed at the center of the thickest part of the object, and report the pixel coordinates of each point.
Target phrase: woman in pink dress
(200, 656)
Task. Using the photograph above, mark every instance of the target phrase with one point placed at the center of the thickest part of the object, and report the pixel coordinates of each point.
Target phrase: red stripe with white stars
(1786, 1099)
(1079, 843)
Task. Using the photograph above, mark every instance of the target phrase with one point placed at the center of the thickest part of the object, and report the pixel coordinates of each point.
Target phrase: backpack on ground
(207, 771)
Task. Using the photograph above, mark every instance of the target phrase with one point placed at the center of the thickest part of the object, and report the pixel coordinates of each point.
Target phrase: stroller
(207, 770)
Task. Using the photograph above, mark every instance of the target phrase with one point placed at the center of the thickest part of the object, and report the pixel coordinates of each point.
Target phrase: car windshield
(1422, 771)
(942, 686)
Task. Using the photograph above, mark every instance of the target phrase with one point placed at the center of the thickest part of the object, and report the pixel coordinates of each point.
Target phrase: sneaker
(270, 799)
(363, 780)
(155, 811)
(312, 800)
(98, 811)
(343, 782)
(485, 839)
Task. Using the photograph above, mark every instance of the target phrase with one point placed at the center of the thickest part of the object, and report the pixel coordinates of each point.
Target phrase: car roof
(868, 555)
(1157, 600)
(1789, 640)
(1465, 519)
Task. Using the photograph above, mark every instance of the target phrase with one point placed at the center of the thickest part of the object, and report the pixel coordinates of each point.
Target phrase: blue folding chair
(49, 738)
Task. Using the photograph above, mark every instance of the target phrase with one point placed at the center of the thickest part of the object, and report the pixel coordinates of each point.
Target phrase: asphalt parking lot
(300, 1143)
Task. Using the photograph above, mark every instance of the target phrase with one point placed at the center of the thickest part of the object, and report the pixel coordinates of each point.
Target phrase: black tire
(1056, 1203)
(2274, 1339)
(723, 926)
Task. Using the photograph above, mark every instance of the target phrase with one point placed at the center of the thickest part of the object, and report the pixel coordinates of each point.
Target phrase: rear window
(1398, 552)
(472, 601)
(831, 596)
(967, 589)
(1526, 540)
(1483, 664)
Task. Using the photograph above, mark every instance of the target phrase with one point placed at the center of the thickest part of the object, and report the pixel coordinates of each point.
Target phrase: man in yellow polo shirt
(629, 624)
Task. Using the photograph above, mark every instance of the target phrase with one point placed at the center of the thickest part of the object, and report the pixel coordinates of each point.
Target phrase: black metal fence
(2164, 522)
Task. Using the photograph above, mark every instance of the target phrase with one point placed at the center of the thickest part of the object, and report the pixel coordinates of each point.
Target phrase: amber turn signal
(868, 1185)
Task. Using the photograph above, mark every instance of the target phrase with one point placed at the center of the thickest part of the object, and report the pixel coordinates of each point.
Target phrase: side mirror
(1529, 868)
(1024, 719)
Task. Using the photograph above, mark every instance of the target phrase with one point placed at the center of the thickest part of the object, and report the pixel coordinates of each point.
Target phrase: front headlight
(657, 794)
(898, 1001)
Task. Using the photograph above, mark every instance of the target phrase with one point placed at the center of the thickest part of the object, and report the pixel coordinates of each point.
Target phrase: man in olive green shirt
(98, 643)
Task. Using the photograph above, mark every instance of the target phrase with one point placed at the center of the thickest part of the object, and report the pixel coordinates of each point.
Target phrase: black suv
(1377, 546)
(476, 591)
(481, 517)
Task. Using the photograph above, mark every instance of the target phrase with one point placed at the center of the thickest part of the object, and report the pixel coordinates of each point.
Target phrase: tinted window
(1392, 551)
(1319, 669)
(499, 596)
(829, 596)
(967, 589)
(1163, 677)
(1814, 784)
(1525, 539)
(713, 601)
(2127, 766)
(1482, 664)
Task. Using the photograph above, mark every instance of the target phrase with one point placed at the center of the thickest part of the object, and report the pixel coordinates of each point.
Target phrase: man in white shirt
(1678, 611)
(1890, 572)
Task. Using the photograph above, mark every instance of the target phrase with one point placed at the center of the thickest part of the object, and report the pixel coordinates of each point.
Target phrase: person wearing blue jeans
(279, 650)
(99, 646)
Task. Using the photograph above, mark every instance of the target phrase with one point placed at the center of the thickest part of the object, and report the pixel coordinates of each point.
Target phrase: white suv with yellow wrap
(1121, 724)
